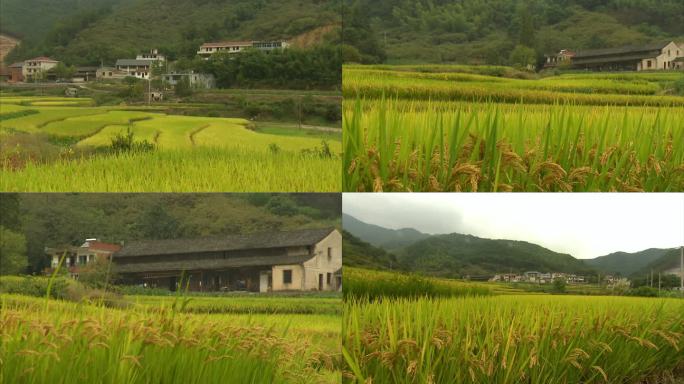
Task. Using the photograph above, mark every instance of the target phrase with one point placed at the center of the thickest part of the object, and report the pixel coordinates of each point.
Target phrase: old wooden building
(649, 57)
(307, 259)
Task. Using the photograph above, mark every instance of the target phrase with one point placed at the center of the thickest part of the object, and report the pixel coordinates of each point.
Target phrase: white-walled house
(196, 80)
(208, 49)
(34, 68)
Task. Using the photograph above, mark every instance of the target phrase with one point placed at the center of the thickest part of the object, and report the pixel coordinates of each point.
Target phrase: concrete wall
(324, 263)
(297, 277)
(664, 61)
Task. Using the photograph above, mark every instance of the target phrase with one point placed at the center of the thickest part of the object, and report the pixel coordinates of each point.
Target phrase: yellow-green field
(438, 128)
(167, 339)
(192, 153)
(464, 335)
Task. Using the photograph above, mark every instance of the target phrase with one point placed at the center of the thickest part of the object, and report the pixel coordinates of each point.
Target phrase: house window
(648, 63)
(287, 276)
(329, 254)
(328, 278)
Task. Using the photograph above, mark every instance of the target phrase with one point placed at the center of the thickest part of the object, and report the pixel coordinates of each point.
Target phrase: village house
(85, 74)
(91, 251)
(153, 55)
(36, 68)
(196, 80)
(208, 49)
(649, 57)
(564, 57)
(134, 67)
(307, 259)
(109, 73)
(141, 66)
(16, 72)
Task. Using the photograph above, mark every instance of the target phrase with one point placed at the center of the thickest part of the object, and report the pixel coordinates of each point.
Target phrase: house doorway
(172, 283)
(320, 281)
(265, 281)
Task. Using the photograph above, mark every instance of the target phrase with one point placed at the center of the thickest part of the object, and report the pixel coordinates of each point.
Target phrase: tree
(13, 259)
(98, 274)
(523, 57)
(62, 71)
(9, 206)
(156, 223)
(558, 285)
(183, 87)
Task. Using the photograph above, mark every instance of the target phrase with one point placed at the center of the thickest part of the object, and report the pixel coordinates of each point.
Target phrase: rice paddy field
(513, 338)
(148, 339)
(457, 128)
(191, 153)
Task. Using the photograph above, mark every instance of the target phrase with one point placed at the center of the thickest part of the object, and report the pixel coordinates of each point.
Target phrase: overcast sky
(581, 224)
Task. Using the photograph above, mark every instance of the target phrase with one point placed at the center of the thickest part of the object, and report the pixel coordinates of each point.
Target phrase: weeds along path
(513, 339)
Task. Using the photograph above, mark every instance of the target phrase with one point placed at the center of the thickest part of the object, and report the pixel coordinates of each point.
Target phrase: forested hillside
(487, 31)
(378, 236)
(358, 253)
(57, 219)
(457, 255)
(106, 30)
(626, 263)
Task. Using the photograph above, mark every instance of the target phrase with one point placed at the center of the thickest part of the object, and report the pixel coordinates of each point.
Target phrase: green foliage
(126, 142)
(358, 253)
(13, 258)
(183, 88)
(98, 274)
(9, 206)
(558, 286)
(38, 286)
(679, 86)
(315, 68)
(157, 223)
(523, 57)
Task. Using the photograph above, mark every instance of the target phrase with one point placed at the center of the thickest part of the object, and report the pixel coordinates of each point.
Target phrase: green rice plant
(76, 343)
(190, 170)
(358, 84)
(374, 285)
(398, 145)
(512, 339)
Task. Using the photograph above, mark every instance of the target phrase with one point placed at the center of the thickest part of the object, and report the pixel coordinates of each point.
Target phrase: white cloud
(582, 224)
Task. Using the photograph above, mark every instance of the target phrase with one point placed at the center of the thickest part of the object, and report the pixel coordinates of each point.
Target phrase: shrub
(123, 143)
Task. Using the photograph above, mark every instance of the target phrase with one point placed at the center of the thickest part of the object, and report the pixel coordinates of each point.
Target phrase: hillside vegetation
(626, 263)
(378, 236)
(91, 35)
(358, 253)
(488, 31)
(457, 255)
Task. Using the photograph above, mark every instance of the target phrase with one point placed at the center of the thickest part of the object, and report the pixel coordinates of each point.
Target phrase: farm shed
(650, 57)
(306, 259)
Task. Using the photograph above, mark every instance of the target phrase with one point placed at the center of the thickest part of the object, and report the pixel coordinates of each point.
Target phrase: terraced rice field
(435, 129)
(169, 340)
(513, 339)
(192, 153)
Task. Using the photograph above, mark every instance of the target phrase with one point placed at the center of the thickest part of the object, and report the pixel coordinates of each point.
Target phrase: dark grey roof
(626, 50)
(612, 59)
(210, 264)
(132, 62)
(262, 240)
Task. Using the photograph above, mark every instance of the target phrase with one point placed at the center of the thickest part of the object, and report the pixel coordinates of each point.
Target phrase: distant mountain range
(458, 255)
(389, 239)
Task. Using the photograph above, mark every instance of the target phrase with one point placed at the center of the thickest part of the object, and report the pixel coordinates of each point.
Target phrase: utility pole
(681, 271)
(651, 278)
(658, 283)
